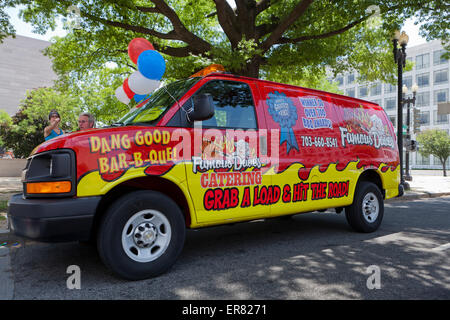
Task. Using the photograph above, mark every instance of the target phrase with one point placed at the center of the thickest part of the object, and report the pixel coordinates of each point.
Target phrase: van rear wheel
(141, 235)
(367, 210)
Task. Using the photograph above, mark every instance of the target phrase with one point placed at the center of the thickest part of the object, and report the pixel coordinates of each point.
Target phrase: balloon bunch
(151, 67)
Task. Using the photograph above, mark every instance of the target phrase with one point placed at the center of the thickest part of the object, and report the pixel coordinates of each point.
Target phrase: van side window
(233, 105)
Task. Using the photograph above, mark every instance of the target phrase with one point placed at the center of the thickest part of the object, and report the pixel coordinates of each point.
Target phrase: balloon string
(181, 107)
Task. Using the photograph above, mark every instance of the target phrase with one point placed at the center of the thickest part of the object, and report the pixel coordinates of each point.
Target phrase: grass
(3, 205)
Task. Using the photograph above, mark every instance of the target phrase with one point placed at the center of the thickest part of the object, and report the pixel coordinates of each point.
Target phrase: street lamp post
(408, 101)
(400, 59)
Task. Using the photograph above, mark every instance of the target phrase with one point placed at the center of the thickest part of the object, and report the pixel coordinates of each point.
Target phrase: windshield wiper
(117, 124)
(148, 124)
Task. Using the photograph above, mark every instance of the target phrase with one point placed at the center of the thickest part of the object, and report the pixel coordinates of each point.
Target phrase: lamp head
(404, 38)
(405, 89)
(396, 35)
(415, 87)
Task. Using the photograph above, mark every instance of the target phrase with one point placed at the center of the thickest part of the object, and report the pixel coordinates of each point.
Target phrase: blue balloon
(151, 64)
(139, 97)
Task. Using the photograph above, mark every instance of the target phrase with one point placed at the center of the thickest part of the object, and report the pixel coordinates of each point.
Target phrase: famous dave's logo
(284, 112)
(365, 129)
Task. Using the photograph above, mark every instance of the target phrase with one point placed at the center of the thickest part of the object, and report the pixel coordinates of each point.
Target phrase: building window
(423, 99)
(421, 160)
(438, 57)
(350, 92)
(423, 80)
(440, 96)
(407, 81)
(363, 92)
(440, 118)
(375, 90)
(441, 76)
(436, 161)
(389, 104)
(422, 61)
(350, 78)
(340, 80)
(424, 118)
(389, 88)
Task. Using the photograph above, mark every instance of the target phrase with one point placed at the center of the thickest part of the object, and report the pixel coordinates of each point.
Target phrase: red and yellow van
(206, 151)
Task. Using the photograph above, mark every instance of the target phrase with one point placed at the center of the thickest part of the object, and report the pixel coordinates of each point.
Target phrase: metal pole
(399, 58)
(408, 121)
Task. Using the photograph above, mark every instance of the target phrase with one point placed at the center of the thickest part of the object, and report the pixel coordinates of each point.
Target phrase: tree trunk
(443, 168)
(251, 69)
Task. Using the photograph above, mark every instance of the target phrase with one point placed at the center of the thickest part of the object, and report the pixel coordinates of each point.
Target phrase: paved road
(311, 256)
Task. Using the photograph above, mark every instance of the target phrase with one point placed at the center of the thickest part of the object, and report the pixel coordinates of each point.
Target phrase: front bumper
(52, 220)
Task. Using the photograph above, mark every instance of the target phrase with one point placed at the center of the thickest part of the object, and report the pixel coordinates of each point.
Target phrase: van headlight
(50, 174)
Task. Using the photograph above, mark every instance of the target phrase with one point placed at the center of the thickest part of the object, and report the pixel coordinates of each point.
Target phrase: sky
(25, 29)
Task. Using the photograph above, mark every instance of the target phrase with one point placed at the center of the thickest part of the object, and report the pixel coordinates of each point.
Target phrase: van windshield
(160, 101)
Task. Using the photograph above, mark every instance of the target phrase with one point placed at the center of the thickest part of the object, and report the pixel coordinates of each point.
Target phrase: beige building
(23, 67)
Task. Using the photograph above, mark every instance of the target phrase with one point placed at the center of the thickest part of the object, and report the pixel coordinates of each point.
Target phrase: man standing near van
(86, 121)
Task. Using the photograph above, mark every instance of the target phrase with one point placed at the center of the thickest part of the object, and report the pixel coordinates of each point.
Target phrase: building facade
(431, 74)
(23, 67)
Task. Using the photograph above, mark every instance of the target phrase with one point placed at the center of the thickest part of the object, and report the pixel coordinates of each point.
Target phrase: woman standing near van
(53, 130)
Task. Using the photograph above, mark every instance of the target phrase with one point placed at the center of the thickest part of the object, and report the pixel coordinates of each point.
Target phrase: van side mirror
(203, 108)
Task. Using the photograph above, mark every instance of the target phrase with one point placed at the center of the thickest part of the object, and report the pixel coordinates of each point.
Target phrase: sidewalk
(10, 184)
(427, 184)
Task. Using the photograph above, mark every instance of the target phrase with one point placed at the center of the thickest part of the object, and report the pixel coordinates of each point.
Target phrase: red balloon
(126, 88)
(136, 46)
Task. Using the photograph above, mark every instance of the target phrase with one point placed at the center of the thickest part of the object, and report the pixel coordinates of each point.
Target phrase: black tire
(367, 210)
(155, 217)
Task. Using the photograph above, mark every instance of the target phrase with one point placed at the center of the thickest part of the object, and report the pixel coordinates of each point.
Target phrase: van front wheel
(366, 212)
(141, 235)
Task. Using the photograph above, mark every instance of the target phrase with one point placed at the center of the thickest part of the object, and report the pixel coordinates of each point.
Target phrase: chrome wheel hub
(146, 235)
(370, 207)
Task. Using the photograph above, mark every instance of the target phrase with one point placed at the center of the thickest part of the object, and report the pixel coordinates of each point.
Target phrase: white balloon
(122, 96)
(142, 85)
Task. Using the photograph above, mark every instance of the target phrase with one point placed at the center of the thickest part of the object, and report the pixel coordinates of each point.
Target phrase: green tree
(95, 92)
(4, 117)
(26, 129)
(264, 37)
(5, 121)
(312, 78)
(437, 143)
(6, 29)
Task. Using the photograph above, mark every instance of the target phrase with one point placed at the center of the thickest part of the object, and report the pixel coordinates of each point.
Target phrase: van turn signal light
(49, 187)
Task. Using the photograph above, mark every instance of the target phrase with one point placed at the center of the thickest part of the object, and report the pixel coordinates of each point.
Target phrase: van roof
(233, 76)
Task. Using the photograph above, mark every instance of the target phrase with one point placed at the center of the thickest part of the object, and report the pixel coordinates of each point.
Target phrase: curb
(417, 195)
